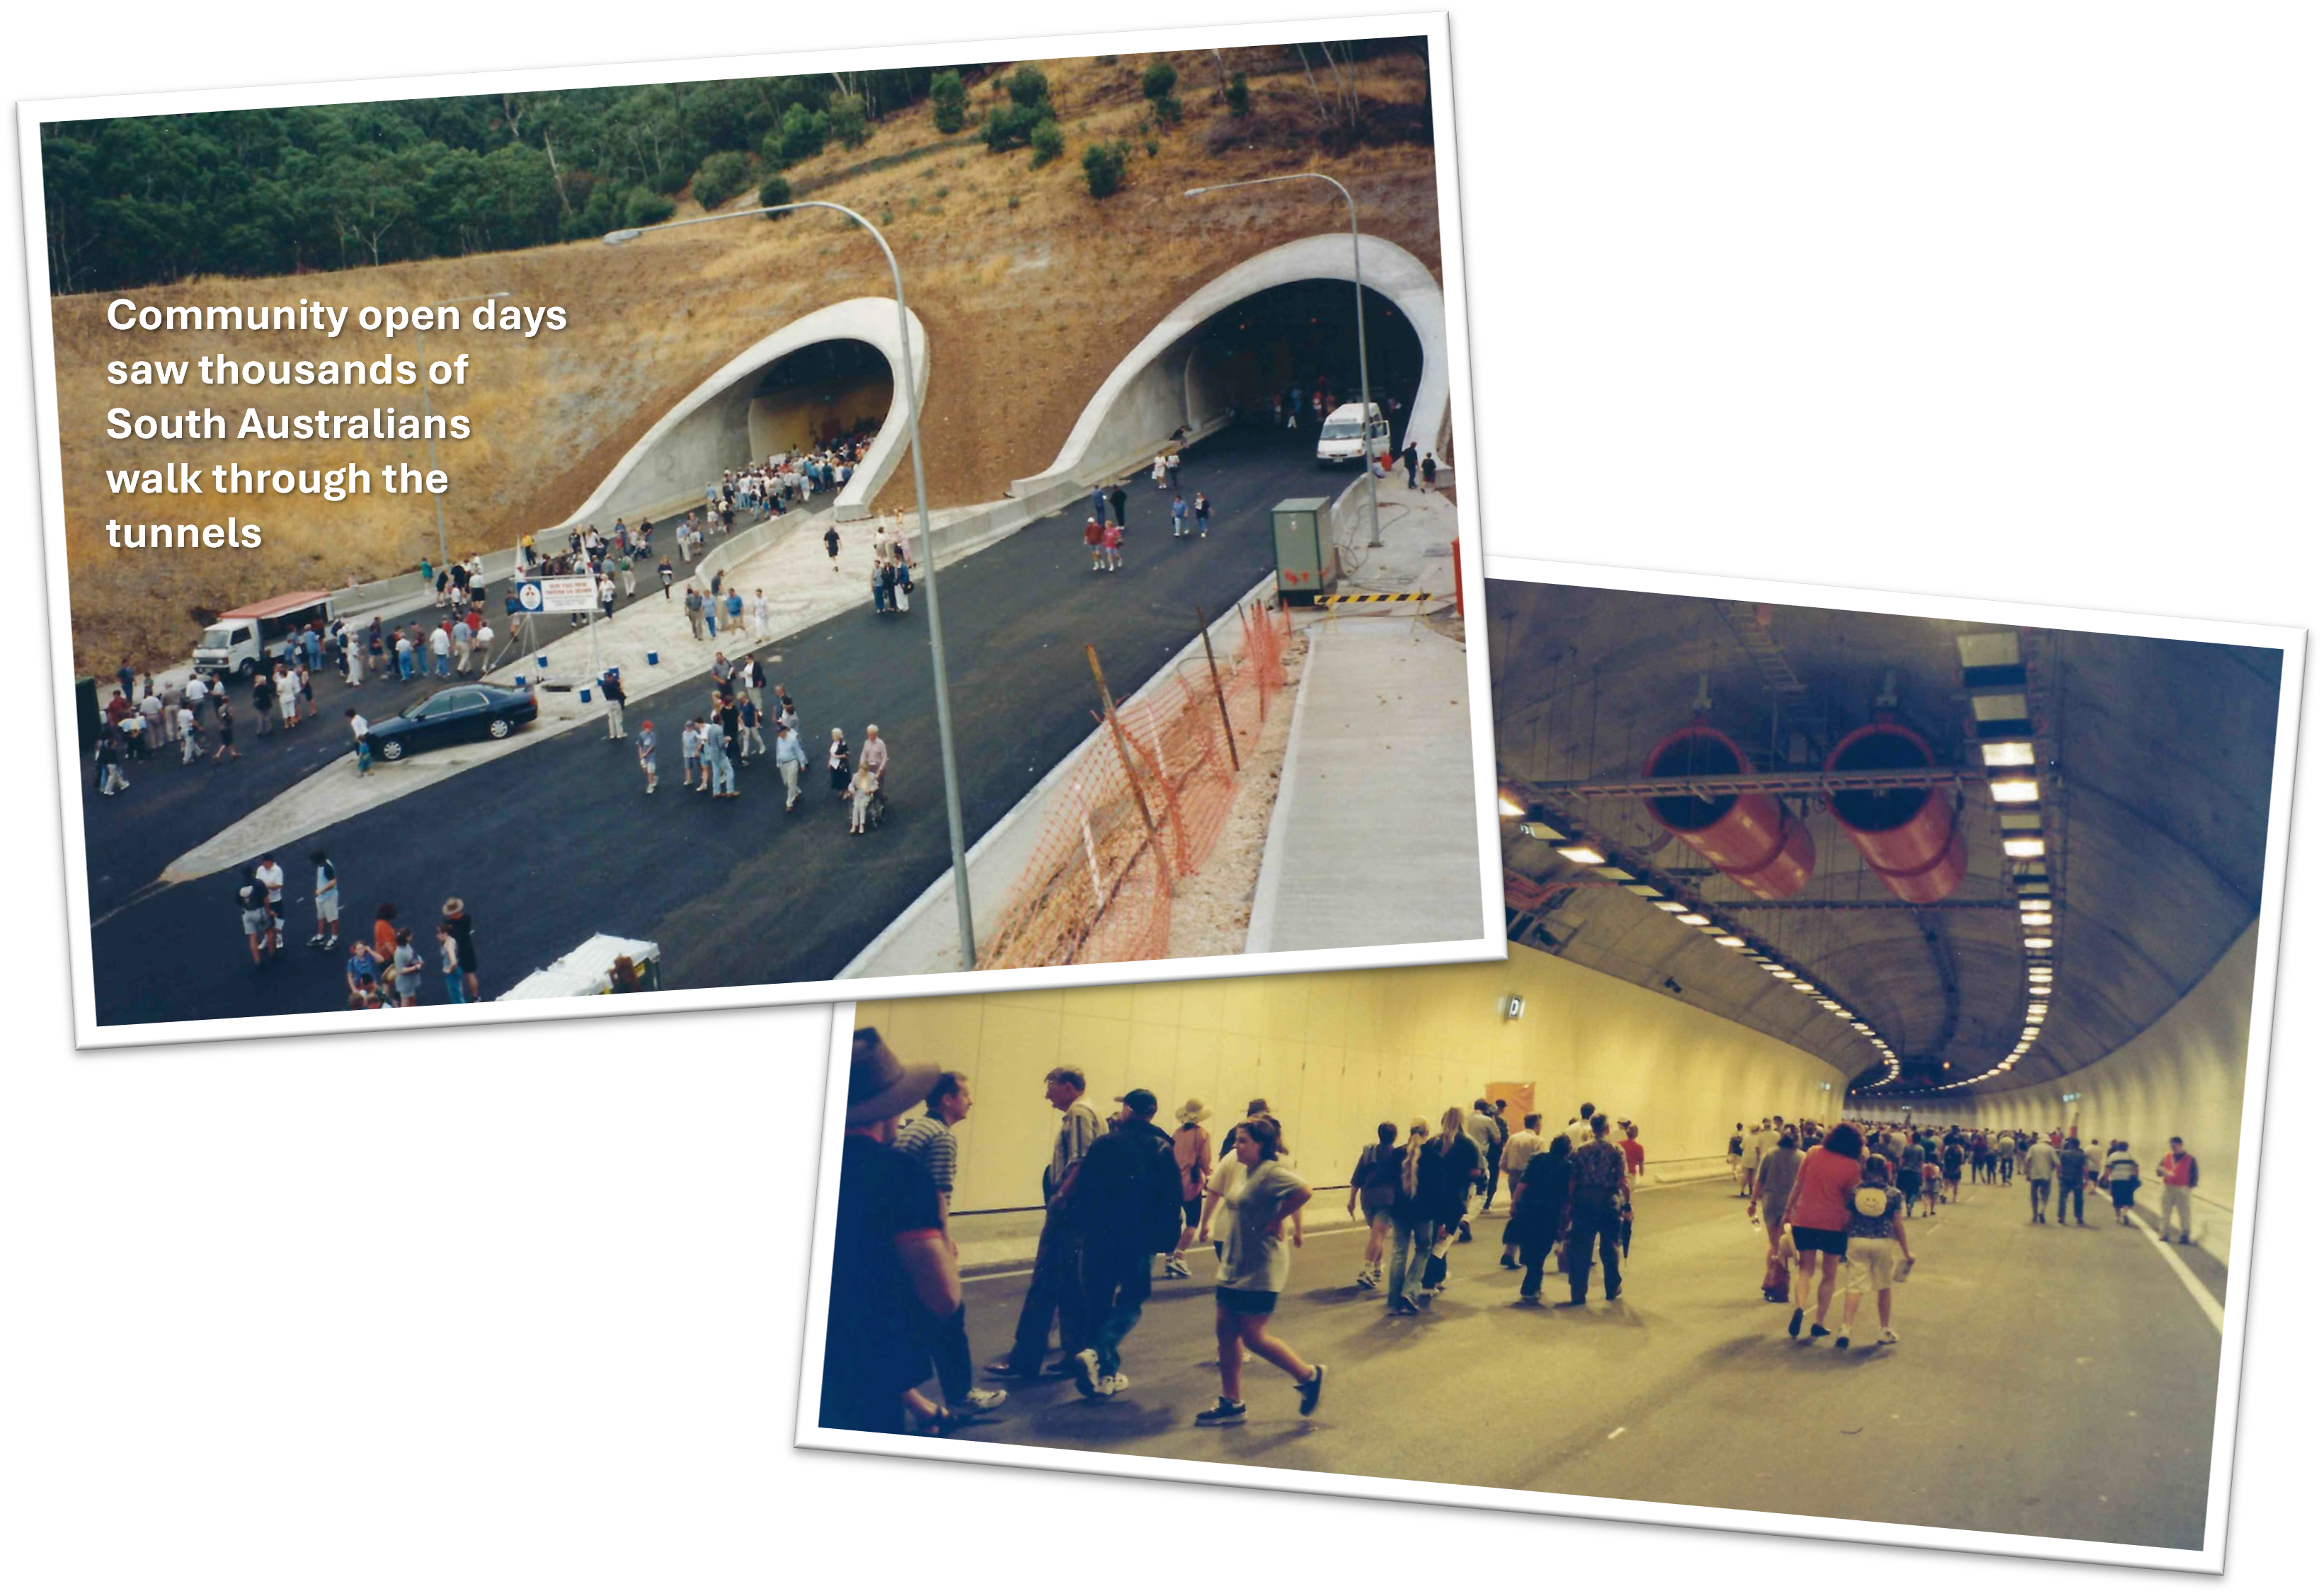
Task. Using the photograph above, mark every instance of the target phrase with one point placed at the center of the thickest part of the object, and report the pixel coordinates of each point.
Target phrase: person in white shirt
(1578, 1134)
(189, 734)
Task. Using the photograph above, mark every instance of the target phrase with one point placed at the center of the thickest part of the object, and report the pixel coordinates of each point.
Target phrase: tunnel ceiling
(2155, 762)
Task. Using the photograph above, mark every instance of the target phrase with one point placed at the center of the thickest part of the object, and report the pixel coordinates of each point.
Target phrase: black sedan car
(464, 714)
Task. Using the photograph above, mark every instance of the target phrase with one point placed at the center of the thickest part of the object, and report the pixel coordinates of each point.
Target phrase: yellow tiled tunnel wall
(1336, 1052)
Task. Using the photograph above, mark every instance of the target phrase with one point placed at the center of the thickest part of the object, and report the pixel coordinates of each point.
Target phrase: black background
(1931, 317)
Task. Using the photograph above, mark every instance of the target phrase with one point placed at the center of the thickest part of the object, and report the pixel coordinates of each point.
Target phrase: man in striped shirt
(929, 1141)
(1055, 1289)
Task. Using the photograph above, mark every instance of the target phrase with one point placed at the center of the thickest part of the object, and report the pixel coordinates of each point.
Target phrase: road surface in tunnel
(552, 843)
(2048, 1380)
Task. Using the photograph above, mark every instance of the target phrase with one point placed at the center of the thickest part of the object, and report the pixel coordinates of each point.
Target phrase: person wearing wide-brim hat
(890, 1270)
(1190, 1144)
(464, 945)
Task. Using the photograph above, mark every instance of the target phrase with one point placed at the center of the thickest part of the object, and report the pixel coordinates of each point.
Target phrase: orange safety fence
(1143, 804)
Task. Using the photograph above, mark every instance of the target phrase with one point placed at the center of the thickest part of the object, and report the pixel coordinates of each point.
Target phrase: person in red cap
(892, 1274)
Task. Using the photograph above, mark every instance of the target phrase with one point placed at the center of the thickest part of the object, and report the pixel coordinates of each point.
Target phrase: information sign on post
(558, 595)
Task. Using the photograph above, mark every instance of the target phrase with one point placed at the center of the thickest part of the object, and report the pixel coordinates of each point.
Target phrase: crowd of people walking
(1128, 1199)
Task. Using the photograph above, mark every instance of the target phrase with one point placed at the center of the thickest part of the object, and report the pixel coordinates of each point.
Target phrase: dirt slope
(1031, 293)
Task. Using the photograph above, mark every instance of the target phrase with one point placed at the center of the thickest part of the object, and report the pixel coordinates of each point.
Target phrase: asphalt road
(169, 808)
(2048, 1381)
(559, 841)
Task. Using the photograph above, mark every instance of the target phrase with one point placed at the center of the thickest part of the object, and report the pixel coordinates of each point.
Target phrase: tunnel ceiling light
(1730, 942)
(1803, 986)
(2037, 919)
(1613, 873)
(2041, 904)
(1983, 651)
(1644, 890)
(1672, 905)
(1510, 808)
(2038, 942)
(1582, 853)
(1695, 919)
(2008, 752)
(2020, 820)
(2039, 971)
(1999, 706)
(2017, 790)
(2021, 847)
(1541, 831)
(1831, 1004)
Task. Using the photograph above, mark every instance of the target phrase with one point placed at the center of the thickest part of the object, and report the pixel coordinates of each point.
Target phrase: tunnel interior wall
(2183, 1076)
(1335, 1053)
(782, 422)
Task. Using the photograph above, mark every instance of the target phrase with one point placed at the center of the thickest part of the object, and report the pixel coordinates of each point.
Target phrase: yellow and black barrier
(1371, 598)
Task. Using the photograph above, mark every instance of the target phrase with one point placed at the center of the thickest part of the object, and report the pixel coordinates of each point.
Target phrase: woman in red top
(1818, 1215)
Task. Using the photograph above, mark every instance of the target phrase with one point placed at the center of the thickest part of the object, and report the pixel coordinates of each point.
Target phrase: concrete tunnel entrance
(1281, 317)
(823, 376)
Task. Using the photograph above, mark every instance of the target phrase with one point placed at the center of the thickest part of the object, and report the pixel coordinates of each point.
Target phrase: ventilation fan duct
(1910, 836)
(1751, 838)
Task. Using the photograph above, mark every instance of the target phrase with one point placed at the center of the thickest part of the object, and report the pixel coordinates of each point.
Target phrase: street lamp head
(621, 235)
(1192, 192)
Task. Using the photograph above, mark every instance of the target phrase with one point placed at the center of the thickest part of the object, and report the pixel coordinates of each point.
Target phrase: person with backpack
(1373, 1185)
(1879, 1254)
(1125, 1198)
(1190, 1145)
(1771, 1194)
(1735, 1162)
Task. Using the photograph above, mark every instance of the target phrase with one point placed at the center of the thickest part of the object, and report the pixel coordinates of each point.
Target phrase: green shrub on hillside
(802, 136)
(775, 190)
(1168, 109)
(1237, 95)
(1158, 81)
(1102, 165)
(1048, 141)
(644, 207)
(1029, 86)
(847, 121)
(1010, 127)
(949, 100)
(721, 177)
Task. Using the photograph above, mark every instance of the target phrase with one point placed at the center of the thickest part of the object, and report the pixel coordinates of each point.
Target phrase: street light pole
(920, 493)
(443, 546)
(1364, 355)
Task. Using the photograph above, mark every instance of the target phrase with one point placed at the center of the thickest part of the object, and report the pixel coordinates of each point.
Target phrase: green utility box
(1307, 560)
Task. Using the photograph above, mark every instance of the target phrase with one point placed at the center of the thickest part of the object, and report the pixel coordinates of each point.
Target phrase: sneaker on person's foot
(1112, 1384)
(1311, 1390)
(316, 940)
(1817, 1332)
(1888, 1338)
(1223, 1412)
(982, 1399)
(1404, 1305)
(1085, 1373)
(1841, 1345)
(1507, 1262)
(1798, 1315)
(1005, 1369)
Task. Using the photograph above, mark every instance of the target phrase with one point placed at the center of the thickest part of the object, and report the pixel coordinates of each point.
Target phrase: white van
(238, 641)
(1343, 443)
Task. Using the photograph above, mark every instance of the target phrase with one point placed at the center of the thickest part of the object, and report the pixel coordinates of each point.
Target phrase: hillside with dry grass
(1031, 290)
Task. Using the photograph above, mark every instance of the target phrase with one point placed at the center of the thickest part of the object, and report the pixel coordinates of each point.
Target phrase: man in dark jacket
(2073, 1174)
(1125, 1198)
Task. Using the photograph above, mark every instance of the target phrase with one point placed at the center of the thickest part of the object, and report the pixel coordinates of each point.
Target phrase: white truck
(239, 641)
(1342, 441)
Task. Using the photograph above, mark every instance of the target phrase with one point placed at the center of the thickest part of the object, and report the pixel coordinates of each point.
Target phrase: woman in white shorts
(1877, 1251)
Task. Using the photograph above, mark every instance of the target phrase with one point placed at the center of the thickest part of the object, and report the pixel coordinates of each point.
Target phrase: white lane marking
(2212, 1310)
